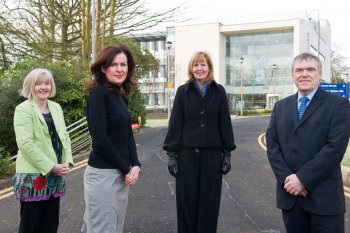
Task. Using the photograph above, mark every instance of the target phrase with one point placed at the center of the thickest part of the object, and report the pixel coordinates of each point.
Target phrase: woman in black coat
(199, 144)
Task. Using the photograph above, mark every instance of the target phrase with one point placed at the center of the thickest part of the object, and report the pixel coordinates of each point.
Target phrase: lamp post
(318, 30)
(241, 60)
(168, 46)
(273, 82)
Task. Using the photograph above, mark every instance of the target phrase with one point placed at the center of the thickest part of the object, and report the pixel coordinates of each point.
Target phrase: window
(260, 51)
(154, 73)
(162, 44)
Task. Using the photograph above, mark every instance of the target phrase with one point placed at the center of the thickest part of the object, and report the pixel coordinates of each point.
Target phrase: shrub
(256, 112)
(69, 78)
(7, 167)
(137, 106)
(9, 99)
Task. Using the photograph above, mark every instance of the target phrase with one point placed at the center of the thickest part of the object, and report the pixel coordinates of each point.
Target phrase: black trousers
(40, 216)
(198, 190)
(297, 220)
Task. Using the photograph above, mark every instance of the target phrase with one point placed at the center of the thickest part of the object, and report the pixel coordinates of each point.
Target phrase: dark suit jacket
(312, 149)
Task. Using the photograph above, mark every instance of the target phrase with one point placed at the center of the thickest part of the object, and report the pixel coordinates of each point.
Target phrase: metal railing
(79, 135)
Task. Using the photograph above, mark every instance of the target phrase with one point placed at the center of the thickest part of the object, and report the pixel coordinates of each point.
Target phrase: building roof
(154, 36)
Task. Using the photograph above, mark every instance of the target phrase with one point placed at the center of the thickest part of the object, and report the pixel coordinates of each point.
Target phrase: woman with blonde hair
(44, 154)
(199, 144)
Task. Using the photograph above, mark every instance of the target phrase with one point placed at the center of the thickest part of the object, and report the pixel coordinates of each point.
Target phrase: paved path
(247, 202)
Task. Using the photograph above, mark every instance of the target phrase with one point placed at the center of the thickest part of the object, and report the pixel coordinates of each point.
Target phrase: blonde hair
(198, 57)
(31, 79)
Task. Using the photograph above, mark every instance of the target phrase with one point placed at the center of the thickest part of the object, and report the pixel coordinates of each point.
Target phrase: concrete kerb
(164, 122)
(156, 122)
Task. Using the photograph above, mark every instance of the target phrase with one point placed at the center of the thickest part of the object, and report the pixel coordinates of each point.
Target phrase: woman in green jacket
(44, 154)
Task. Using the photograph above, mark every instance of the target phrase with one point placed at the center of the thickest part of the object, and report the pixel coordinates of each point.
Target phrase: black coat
(311, 148)
(202, 122)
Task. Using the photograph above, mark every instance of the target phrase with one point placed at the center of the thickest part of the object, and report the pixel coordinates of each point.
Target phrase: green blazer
(35, 151)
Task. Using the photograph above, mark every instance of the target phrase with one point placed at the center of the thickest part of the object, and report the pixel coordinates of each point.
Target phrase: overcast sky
(224, 11)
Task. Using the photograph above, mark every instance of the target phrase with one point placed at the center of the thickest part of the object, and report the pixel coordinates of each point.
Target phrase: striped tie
(303, 104)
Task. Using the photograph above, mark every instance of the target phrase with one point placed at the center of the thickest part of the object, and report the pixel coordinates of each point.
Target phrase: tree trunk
(64, 40)
(98, 24)
(5, 63)
(86, 31)
(104, 20)
(111, 22)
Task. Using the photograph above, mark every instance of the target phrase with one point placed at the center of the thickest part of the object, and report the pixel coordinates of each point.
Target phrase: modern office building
(252, 57)
(156, 84)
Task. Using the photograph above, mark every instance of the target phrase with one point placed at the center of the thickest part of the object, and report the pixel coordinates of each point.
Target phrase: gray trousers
(106, 200)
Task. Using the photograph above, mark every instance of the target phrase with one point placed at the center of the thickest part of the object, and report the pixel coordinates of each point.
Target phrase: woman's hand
(133, 175)
(61, 169)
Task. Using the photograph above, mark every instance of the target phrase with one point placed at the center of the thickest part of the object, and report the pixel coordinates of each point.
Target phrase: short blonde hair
(199, 57)
(31, 79)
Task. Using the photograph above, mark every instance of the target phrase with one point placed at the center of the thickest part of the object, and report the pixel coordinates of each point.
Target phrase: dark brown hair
(103, 60)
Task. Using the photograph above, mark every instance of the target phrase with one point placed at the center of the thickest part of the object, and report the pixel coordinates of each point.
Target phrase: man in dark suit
(305, 154)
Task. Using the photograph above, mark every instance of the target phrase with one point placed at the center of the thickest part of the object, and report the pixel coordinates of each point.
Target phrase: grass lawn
(346, 159)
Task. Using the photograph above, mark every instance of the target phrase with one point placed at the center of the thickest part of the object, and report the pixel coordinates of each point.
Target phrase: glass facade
(258, 65)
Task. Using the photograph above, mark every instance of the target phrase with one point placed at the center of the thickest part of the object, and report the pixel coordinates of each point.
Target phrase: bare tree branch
(61, 29)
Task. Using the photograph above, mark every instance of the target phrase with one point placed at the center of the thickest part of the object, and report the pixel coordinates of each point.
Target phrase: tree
(115, 18)
(46, 29)
(4, 62)
(339, 69)
(9, 98)
(85, 31)
(43, 29)
(70, 79)
(3, 57)
(61, 30)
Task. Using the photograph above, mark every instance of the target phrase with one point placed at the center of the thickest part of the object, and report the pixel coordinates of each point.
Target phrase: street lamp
(241, 60)
(318, 30)
(168, 46)
(274, 66)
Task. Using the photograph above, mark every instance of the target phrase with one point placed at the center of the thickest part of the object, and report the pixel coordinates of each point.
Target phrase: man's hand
(293, 185)
(172, 164)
